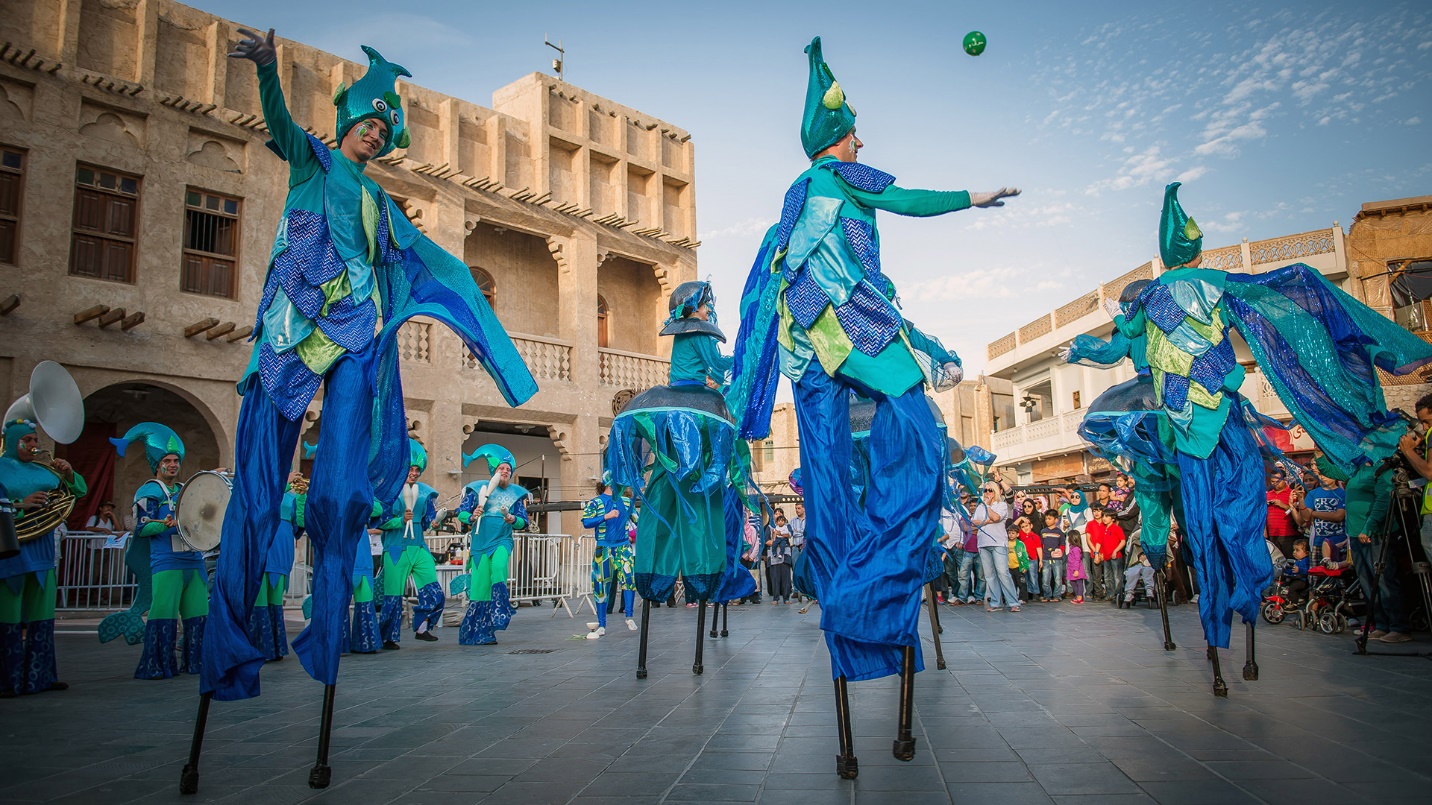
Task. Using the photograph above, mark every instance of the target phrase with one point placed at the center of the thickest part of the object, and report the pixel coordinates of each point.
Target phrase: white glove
(1065, 352)
(1113, 307)
(992, 199)
(954, 373)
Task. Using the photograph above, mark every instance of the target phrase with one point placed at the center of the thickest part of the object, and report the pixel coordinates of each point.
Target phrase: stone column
(576, 257)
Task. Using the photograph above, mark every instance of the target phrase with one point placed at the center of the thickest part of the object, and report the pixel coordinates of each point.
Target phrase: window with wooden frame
(106, 221)
(602, 334)
(485, 285)
(12, 183)
(211, 244)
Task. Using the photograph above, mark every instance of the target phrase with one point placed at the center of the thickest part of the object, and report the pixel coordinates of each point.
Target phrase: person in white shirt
(989, 518)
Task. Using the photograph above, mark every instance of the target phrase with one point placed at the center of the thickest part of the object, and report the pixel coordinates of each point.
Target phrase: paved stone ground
(1058, 703)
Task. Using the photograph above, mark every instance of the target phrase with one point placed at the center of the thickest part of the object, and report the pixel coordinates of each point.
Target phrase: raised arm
(290, 140)
(924, 203)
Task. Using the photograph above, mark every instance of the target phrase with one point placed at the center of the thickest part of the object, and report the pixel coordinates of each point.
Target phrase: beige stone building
(138, 206)
(973, 411)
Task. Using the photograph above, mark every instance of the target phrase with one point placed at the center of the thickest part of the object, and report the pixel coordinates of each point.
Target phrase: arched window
(485, 285)
(602, 333)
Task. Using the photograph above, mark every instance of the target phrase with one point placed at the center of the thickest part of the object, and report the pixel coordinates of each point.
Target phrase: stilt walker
(818, 296)
(403, 521)
(493, 510)
(344, 259)
(1319, 349)
(178, 577)
(676, 447)
(27, 579)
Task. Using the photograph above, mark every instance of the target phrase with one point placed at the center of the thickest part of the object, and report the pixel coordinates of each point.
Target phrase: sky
(1279, 117)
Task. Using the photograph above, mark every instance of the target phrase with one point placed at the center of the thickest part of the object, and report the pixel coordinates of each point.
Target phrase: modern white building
(1050, 395)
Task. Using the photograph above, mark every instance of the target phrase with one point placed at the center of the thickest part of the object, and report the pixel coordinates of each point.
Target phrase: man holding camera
(1415, 448)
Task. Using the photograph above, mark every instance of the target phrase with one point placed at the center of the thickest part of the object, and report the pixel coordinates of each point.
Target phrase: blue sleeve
(469, 504)
(519, 512)
(148, 520)
(717, 365)
(430, 513)
(593, 513)
(1089, 350)
(930, 345)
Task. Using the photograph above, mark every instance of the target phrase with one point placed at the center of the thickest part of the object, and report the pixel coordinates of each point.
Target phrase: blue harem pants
(339, 503)
(868, 564)
(1224, 513)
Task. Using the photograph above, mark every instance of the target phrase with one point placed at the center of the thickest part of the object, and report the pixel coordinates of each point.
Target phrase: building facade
(138, 206)
(1050, 395)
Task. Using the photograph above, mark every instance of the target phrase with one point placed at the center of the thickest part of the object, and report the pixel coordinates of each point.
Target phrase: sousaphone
(57, 407)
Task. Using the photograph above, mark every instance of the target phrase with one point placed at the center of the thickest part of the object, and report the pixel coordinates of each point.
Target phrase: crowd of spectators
(1012, 547)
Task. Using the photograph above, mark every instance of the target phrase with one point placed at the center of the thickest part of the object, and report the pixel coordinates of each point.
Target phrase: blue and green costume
(1319, 348)
(613, 559)
(406, 553)
(267, 630)
(364, 635)
(675, 446)
(178, 579)
(484, 509)
(345, 257)
(818, 308)
(27, 581)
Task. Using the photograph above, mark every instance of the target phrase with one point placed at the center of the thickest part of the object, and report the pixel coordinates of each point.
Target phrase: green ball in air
(975, 43)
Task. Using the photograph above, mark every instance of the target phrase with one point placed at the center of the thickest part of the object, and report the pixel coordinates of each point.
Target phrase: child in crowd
(1140, 569)
(1074, 566)
(1051, 558)
(1030, 538)
(1018, 563)
(1297, 571)
(778, 561)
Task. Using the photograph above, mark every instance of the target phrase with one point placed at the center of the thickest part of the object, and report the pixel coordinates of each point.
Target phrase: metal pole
(189, 777)
(935, 629)
(904, 748)
(725, 618)
(1220, 688)
(697, 667)
(641, 652)
(1250, 668)
(1163, 609)
(846, 764)
(320, 775)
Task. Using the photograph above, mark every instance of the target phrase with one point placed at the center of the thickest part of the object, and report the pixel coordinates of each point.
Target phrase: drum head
(200, 509)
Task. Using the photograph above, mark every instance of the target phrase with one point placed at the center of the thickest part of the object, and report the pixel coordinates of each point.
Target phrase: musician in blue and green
(179, 581)
(493, 510)
(27, 581)
(405, 553)
(267, 630)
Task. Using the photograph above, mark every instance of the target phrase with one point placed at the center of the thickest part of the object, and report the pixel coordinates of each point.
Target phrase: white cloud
(742, 229)
(1193, 173)
(982, 284)
(1412, 121)
(1139, 169)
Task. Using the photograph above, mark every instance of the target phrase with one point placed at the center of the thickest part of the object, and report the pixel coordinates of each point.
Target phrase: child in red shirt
(1110, 555)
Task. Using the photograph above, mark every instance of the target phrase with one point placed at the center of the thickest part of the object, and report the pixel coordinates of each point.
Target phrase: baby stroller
(1329, 601)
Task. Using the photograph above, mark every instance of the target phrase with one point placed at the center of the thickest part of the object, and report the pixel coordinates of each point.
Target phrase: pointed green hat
(1180, 239)
(496, 456)
(159, 441)
(417, 456)
(827, 116)
(374, 95)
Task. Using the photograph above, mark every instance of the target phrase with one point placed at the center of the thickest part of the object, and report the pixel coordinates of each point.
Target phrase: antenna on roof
(561, 55)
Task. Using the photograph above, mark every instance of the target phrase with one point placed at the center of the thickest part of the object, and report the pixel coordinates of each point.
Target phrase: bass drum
(199, 511)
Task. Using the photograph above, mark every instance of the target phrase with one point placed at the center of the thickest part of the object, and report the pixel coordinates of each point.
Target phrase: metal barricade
(543, 567)
(91, 576)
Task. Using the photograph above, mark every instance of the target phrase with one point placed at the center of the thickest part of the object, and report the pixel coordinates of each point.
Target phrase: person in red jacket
(1110, 555)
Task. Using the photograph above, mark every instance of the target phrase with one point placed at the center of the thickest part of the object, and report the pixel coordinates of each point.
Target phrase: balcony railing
(630, 370)
(546, 358)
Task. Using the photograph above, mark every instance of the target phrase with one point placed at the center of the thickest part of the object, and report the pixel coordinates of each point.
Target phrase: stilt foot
(320, 776)
(641, 673)
(1169, 645)
(904, 749)
(940, 664)
(189, 780)
(1250, 672)
(1220, 688)
(698, 669)
(847, 767)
